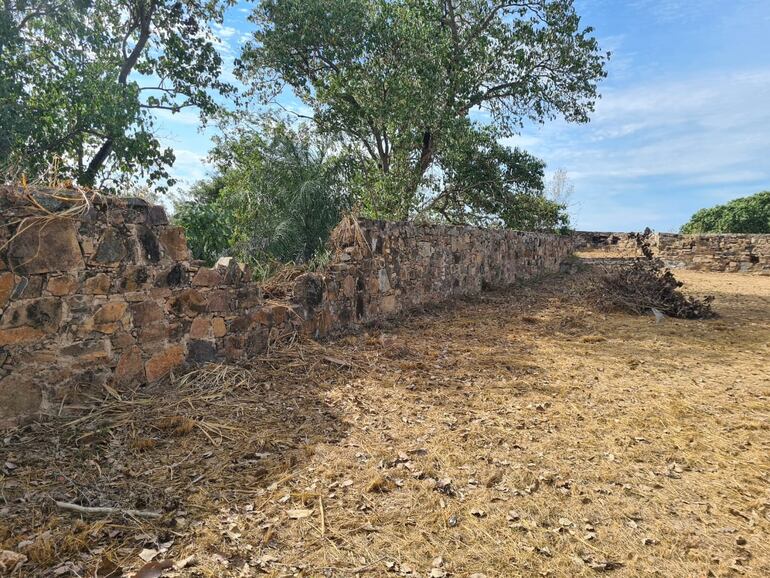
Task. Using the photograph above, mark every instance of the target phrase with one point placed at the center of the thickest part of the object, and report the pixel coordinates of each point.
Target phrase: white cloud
(678, 141)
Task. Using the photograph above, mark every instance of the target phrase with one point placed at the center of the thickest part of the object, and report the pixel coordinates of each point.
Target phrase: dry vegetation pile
(642, 286)
(515, 434)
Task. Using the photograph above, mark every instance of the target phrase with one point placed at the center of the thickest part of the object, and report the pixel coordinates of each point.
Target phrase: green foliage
(80, 79)
(487, 184)
(206, 220)
(399, 79)
(279, 192)
(743, 215)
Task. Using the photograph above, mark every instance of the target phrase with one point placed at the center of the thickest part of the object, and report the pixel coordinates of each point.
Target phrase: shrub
(743, 215)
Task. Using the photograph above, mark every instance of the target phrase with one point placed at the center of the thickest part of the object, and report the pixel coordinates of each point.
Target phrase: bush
(744, 215)
(276, 198)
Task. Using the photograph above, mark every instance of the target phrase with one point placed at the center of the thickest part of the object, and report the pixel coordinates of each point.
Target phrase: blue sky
(683, 122)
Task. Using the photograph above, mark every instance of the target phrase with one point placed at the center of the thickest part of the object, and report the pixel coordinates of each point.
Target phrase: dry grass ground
(514, 434)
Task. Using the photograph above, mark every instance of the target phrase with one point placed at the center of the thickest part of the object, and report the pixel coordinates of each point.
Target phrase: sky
(683, 121)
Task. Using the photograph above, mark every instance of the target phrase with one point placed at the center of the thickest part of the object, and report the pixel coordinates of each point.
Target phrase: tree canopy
(742, 215)
(406, 80)
(80, 80)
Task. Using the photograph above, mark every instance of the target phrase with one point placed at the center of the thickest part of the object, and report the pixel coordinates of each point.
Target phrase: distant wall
(717, 252)
(730, 253)
(111, 297)
(625, 244)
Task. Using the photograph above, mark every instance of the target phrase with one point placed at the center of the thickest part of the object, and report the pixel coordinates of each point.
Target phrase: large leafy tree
(402, 78)
(81, 79)
(742, 215)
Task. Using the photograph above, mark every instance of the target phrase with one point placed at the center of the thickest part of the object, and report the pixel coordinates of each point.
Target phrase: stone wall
(743, 253)
(109, 298)
(621, 244)
(718, 252)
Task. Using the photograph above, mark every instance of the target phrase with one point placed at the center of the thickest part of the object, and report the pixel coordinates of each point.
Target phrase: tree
(487, 184)
(401, 78)
(559, 187)
(279, 192)
(742, 215)
(81, 79)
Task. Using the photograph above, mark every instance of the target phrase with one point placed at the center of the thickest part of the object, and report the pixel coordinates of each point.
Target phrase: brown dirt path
(514, 434)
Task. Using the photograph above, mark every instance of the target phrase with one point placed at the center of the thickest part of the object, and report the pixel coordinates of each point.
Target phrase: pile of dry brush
(646, 286)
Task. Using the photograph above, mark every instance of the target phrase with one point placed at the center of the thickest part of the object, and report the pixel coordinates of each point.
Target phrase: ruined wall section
(383, 268)
(737, 253)
(616, 244)
(728, 253)
(109, 297)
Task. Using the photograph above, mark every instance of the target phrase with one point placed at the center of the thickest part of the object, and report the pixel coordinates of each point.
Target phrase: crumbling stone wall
(625, 244)
(742, 253)
(729, 253)
(383, 268)
(111, 298)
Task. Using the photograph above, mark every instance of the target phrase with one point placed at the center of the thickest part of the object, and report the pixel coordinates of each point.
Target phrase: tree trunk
(88, 178)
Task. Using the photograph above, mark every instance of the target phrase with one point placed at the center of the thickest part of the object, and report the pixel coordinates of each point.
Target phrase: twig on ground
(93, 511)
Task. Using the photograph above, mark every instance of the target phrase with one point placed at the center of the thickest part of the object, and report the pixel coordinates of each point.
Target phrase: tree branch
(104, 151)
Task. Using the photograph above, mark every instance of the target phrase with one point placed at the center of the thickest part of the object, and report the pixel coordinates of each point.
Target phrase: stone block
(111, 312)
(45, 246)
(156, 215)
(220, 301)
(89, 352)
(112, 247)
(200, 351)
(62, 285)
(146, 312)
(388, 304)
(189, 302)
(383, 281)
(98, 284)
(174, 276)
(134, 278)
(206, 277)
(174, 243)
(309, 291)
(349, 286)
(200, 328)
(233, 347)
(122, 340)
(219, 327)
(7, 283)
(153, 333)
(163, 363)
(20, 335)
(44, 313)
(149, 247)
(130, 368)
(29, 287)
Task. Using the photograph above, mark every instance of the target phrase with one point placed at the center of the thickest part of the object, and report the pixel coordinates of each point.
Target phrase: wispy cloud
(675, 139)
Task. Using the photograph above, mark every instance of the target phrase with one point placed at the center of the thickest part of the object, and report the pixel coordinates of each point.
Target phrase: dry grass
(514, 434)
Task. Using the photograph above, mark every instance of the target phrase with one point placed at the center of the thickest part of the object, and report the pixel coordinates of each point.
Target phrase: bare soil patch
(514, 434)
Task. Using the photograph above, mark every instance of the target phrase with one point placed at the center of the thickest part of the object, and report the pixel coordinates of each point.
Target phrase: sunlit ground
(514, 434)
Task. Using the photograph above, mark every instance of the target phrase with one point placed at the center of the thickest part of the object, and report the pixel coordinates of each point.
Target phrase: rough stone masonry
(717, 252)
(111, 297)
